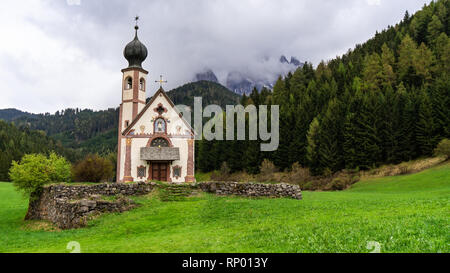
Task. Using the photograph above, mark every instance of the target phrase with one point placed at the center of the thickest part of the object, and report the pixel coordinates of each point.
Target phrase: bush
(443, 148)
(93, 168)
(266, 171)
(343, 180)
(298, 174)
(338, 184)
(36, 170)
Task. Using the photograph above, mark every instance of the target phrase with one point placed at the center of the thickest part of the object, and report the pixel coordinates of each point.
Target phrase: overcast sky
(69, 53)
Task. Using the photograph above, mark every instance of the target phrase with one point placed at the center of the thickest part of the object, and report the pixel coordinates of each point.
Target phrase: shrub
(343, 180)
(338, 184)
(93, 168)
(298, 174)
(241, 176)
(266, 171)
(443, 148)
(36, 170)
(223, 174)
(308, 186)
(327, 172)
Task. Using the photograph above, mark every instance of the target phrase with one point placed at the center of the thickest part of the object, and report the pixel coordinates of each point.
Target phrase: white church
(155, 142)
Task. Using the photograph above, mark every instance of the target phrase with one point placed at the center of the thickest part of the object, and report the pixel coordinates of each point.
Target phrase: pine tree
(404, 129)
(361, 133)
(440, 99)
(435, 28)
(442, 52)
(424, 125)
(330, 137)
(252, 159)
(389, 117)
(406, 17)
(373, 72)
(206, 156)
(351, 153)
(312, 150)
(405, 65)
(388, 63)
(423, 62)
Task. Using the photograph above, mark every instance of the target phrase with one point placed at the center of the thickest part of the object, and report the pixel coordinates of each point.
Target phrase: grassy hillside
(403, 214)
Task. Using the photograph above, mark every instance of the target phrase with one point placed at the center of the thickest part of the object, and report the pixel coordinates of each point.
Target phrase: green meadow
(407, 213)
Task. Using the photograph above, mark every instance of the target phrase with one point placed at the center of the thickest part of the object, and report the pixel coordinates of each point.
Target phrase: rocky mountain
(283, 59)
(207, 75)
(243, 81)
(296, 62)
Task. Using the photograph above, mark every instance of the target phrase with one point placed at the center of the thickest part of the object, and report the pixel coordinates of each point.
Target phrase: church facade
(154, 141)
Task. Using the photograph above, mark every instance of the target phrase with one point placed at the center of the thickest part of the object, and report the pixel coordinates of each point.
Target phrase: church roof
(135, 52)
(160, 91)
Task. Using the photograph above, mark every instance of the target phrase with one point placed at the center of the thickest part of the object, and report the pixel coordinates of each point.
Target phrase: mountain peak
(242, 81)
(295, 61)
(283, 59)
(206, 75)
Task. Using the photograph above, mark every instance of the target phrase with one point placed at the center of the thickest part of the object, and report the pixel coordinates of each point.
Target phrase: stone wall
(252, 189)
(70, 206)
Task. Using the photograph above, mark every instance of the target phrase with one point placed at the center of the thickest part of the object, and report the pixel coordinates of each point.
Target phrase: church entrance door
(159, 171)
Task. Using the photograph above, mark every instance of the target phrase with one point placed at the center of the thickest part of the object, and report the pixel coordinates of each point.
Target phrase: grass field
(403, 214)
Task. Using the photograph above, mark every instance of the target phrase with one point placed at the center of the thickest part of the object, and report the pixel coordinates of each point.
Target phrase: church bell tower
(134, 85)
(133, 81)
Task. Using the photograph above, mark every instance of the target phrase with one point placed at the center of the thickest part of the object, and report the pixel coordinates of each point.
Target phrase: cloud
(373, 2)
(57, 54)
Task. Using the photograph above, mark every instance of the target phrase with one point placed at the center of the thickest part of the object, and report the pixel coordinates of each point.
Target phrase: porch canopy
(160, 153)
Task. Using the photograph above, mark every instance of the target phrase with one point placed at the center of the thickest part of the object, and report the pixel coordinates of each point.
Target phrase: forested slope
(385, 101)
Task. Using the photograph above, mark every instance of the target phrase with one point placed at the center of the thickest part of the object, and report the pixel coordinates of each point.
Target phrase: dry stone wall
(70, 206)
(253, 189)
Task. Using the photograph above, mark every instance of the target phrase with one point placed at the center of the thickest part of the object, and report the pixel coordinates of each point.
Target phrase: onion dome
(135, 52)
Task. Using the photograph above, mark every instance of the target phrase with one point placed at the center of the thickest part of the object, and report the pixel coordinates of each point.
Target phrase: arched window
(160, 126)
(159, 142)
(128, 83)
(142, 84)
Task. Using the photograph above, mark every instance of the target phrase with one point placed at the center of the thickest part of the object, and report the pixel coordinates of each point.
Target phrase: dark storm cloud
(68, 55)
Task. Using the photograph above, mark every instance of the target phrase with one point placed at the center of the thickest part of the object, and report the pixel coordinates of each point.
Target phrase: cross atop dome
(136, 19)
(135, 52)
